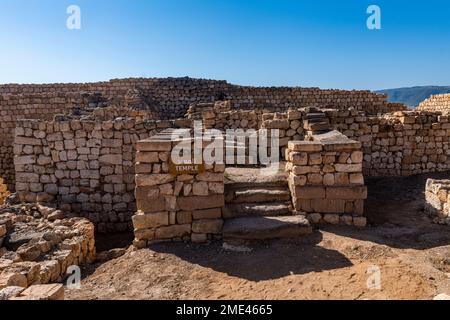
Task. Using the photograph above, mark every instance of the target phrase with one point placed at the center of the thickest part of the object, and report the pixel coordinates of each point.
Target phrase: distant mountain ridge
(412, 96)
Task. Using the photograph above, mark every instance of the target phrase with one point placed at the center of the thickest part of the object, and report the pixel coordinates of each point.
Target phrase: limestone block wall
(326, 180)
(31, 106)
(401, 143)
(396, 144)
(3, 191)
(438, 102)
(174, 95)
(175, 204)
(86, 167)
(166, 98)
(437, 201)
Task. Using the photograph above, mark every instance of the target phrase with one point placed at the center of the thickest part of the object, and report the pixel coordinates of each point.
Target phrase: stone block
(199, 237)
(147, 180)
(173, 231)
(314, 218)
(184, 217)
(144, 234)
(200, 188)
(213, 226)
(44, 292)
(328, 205)
(147, 157)
(298, 158)
(348, 167)
(356, 178)
(114, 159)
(305, 146)
(150, 220)
(149, 145)
(214, 213)
(201, 202)
(310, 192)
(331, 218)
(346, 193)
(359, 222)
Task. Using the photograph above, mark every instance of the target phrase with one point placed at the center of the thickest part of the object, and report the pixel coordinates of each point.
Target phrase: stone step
(234, 210)
(315, 116)
(260, 228)
(318, 126)
(259, 195)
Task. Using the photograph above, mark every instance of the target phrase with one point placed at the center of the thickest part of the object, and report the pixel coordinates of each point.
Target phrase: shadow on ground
(287, 257)
(394, 209)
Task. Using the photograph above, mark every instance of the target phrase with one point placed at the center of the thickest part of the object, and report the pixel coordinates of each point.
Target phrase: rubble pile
(38, 244)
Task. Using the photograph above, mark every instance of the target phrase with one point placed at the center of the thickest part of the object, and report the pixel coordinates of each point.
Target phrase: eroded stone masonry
(80, 158)
(74, 146)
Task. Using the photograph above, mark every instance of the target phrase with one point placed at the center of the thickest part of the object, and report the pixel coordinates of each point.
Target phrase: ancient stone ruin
(79, 157)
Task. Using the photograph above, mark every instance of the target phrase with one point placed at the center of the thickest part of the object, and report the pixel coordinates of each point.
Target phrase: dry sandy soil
(413, 255)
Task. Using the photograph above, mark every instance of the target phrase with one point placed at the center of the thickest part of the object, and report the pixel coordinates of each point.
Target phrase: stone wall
(175, 204)
(85, 166)
(437, 201)
(174, 95)
(166, 98)
(397, 144)
(438, 102)
(325, 179)
(32, 106)
(38, 244)
(3, 191)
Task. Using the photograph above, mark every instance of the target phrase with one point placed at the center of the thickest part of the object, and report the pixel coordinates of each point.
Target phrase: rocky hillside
(414, 95)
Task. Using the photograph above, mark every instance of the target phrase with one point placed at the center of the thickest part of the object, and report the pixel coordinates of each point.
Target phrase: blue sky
(249, 42)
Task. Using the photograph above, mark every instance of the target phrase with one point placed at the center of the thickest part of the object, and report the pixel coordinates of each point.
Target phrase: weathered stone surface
(307, 146)
(115, 159)
(346, 193)
(348, 167)
(44, 292)
(199, 202)
(146, 180)
(310, 192)
(174, 231)
(207, 214)
(150, 220)
(360, 221)
(147, 157)
(331, 218)
(10, 292)
(259, 228)
(158, 145)
(213, 226)
(328, 205)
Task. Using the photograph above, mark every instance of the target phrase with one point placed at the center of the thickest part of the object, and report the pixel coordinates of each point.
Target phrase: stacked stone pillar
(175, 202)
(325, 179)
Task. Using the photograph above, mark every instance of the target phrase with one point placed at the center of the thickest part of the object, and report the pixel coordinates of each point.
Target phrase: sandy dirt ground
(411, 252)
